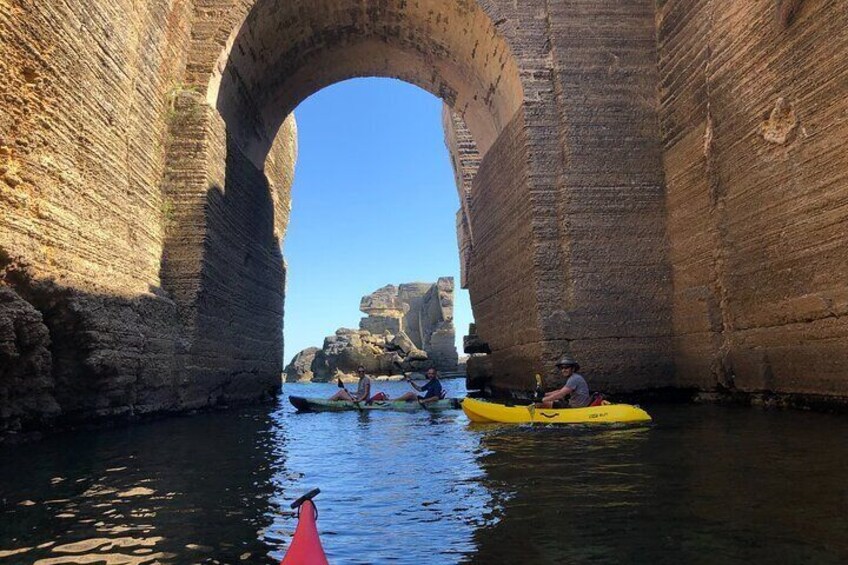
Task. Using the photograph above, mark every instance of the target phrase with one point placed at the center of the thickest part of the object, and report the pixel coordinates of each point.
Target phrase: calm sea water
(704, 484)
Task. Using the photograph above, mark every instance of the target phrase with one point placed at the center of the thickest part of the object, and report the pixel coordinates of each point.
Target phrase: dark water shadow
(703, 485)
(180, 490)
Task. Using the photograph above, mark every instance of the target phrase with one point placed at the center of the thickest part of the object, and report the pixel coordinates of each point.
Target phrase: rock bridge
(657, 188)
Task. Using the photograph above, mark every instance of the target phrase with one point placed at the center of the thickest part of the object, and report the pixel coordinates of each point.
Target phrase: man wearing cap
(575, 386)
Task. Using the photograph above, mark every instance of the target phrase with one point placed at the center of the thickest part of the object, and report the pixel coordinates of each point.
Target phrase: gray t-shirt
(361, 388)
(580, 397)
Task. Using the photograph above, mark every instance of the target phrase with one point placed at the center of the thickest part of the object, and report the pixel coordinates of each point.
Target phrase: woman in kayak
(432, 389)
(363, 388)
(575, 386)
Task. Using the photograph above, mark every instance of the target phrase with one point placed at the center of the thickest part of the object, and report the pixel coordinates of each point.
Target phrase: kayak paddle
(355, 402)
(538, 395)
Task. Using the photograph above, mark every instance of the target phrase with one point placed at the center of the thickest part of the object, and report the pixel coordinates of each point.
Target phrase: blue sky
(373, 203)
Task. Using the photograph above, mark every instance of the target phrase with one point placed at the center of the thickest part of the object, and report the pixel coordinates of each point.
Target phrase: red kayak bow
(305, 548)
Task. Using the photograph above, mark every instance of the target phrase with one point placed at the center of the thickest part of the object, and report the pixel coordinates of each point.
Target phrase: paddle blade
(539, 393)
(340, 383)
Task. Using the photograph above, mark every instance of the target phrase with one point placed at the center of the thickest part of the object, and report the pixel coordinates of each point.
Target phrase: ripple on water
(738, 486)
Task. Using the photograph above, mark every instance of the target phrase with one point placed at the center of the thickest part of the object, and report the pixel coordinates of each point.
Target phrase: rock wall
(85, 100)
(26, 389)
(753, 103)
(465, 160)
(656, 188)
(109, 166)
(612, 305)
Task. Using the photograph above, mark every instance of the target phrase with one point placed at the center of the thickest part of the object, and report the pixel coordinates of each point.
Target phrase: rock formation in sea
(300, 367)
(408, 328)
(423, 311)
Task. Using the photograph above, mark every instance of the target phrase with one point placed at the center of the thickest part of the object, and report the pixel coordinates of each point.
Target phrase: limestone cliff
(656, 188)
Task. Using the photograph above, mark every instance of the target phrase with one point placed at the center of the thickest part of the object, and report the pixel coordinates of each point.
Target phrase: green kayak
(304, 404)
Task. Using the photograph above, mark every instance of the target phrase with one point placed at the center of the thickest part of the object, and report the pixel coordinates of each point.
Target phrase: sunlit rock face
(654, 188)
(380, 354)
(421, 311)
(408, 328)
(753, 100)
(299, 368)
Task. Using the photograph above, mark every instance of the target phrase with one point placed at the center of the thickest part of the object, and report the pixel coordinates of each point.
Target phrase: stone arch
(281, 52)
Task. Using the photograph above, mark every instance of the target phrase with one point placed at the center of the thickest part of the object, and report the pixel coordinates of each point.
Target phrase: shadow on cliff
(69, 356)
(230, 290)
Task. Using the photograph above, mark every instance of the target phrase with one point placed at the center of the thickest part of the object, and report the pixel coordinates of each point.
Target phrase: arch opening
(372, 205)
(282, 53)
(229, 278)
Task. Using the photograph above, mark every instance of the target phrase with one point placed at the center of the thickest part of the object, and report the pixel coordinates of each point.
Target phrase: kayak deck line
(481, 411)
(307, 404)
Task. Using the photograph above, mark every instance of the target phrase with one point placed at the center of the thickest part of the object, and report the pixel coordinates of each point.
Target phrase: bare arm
(558, 394)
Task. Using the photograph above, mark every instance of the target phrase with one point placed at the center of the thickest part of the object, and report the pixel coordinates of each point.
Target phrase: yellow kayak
(488, 412)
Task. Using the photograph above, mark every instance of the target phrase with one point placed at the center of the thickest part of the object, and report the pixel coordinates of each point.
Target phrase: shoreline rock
(409, 328)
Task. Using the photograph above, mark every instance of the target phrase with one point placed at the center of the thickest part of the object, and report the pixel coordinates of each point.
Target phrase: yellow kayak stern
(482, 411)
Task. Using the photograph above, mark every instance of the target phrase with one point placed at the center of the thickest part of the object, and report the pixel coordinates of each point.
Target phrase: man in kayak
(432, 389)
(575, 388)
(363, 388)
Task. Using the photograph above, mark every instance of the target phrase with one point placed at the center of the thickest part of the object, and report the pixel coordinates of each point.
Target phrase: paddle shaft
(355, 402)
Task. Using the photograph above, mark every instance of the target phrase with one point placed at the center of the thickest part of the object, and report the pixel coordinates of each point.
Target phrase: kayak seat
(379, 397)
(443, 395)
(597, 399)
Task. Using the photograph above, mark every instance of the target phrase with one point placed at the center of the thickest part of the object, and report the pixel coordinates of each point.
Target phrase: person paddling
(432, 389)
(575, 388)
(363, 388)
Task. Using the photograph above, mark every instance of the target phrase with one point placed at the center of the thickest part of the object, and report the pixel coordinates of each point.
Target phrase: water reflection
(703, 485)
(395, 486)
(186, 489)
(556, 488)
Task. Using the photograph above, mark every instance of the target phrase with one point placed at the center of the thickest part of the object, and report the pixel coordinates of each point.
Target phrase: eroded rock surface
(343, 352)
(299, 368)
(26, 382)
(409, 327)
(422, 312)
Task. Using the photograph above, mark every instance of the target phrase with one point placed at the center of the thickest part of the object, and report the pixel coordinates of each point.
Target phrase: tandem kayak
(305, 548)
(488, 412)
(305, 404)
